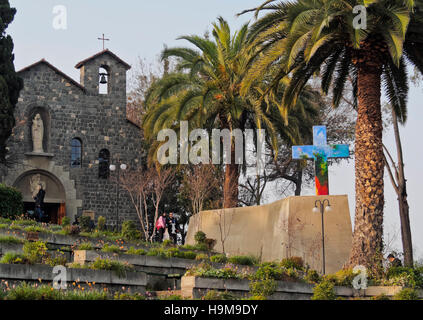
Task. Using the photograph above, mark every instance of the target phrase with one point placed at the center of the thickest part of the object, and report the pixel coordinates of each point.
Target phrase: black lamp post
(322, 209)
(114, 168)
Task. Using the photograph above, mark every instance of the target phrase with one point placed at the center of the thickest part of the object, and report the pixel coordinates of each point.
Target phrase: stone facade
(72, 110)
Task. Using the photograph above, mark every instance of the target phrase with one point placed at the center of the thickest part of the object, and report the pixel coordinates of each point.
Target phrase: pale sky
(140, 28)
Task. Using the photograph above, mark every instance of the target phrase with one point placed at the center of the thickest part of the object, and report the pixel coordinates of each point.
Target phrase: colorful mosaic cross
(320, 152)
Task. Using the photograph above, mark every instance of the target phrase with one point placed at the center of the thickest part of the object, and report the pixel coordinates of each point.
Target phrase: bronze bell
(103, 79)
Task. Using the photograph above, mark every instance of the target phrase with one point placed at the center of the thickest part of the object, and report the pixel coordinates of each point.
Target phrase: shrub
(167, 243)
(263, 288)
(293, 262)
(409, 277)
(126, 296)
(219, 258)
(111, 248)
(269, 270)
(200, 237)
(56, 259)
(85, 223)
(11, 202)
(13, 258)
(324, 291)
(189, 255)
(140, 252)
(37, 229)
(101, 223)
(66, 222)
(71, 230)
(197, 247)
(35, 251)
(202, 256)
(312, 276)
(380, 297)
(216, 295)
(343, 277)
(10, 240)
(244, 260)
(118, 267)
(24, 222)
(129, 231)
(407, 294)
(86, 246)
(158, 252)
(4, 226)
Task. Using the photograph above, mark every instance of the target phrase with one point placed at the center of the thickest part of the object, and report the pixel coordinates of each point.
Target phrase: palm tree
(309, 37)
(205, 92)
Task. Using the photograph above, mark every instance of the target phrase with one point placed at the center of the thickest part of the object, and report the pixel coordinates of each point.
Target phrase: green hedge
(11, 202)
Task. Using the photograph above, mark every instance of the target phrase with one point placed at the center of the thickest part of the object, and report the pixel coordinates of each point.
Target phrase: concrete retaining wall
(196, 287)
(136, 281)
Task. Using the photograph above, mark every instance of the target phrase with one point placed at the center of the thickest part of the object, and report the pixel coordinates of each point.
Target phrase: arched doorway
(55, 198)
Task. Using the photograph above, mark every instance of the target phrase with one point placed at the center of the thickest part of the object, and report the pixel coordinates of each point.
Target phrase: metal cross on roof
(103, 39)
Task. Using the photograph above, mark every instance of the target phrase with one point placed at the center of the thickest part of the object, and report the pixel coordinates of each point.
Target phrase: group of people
(171, 224)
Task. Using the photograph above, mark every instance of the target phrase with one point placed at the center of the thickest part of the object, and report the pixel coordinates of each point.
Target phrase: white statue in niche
(37, 134)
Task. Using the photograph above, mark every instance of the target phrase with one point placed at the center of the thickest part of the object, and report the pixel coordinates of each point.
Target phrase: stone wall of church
(70, 111)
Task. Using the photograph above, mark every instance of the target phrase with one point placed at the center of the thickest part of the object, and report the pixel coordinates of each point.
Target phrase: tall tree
(10, 83)
(308, 37)
(206, 93)
(397, 176)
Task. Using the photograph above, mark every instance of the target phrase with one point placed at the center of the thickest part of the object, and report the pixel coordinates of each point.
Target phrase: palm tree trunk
(367, 244)
(230, 189)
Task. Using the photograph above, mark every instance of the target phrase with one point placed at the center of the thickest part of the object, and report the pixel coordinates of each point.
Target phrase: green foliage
(167, 243)
(71, 230)
(14, 258)
(207, 271)
(312, 276)
(10, 85)
(32, 292)
(35, 251)
(263, 288)
(86, 246)
(197, 247)
(101, 223)
(343, 277)
(84, 223)
(217, 295)
(10, 240)
(403, 276)
(244, 260)
(4, 226)
(407, 294)
(66, 222)
(174, 297)
(56, 259)
(219, 258)
(25, 222)
(11, 203)
(111, 248)
(293, 262)
(37, 229)
(380, 297)
(158, 252)
(129, 231)
(202, 257)
(118, 267)
(128, 297)
(140, 252)
(324, 291)
(200, 237)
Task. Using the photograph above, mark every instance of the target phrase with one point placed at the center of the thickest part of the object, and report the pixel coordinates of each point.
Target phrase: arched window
(103, 164)
(76, 153)
(103, 81)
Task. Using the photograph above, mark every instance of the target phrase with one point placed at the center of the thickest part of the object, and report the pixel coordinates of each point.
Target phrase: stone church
(69, 135)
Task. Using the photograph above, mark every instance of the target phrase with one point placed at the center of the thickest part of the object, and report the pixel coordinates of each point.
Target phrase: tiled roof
(106, 51)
